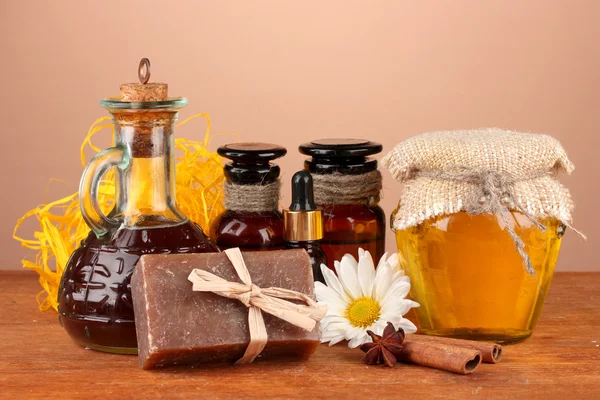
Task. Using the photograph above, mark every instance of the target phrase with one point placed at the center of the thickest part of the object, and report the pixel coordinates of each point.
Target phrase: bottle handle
(88, 188)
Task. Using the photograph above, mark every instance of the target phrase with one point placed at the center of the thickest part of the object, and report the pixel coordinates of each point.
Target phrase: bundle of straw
(199, 196)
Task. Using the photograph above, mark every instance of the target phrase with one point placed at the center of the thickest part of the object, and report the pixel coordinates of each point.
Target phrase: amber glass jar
(95, 305)
(352, 218)
(470, 281)
(252, 220)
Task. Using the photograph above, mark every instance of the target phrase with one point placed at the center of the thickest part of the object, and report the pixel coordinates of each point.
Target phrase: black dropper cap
(302, 192)
(303, 221)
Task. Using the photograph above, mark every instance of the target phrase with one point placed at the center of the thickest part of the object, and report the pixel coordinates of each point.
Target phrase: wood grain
(561, 360)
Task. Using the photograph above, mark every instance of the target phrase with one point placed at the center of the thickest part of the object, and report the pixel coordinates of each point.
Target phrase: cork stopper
(144, 91)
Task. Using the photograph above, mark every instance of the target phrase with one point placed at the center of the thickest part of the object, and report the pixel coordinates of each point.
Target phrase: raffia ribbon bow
(271, 300)
(493, 195)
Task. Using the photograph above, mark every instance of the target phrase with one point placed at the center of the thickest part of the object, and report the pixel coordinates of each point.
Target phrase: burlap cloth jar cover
(480, 171)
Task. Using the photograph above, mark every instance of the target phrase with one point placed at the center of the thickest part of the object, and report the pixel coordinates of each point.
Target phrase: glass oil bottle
(95, 306)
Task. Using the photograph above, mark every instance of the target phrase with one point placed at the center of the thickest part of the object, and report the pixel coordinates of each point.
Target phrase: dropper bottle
(303, 223)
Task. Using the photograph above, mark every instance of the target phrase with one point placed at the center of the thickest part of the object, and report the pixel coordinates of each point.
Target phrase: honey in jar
(479, 226)
(444, 258)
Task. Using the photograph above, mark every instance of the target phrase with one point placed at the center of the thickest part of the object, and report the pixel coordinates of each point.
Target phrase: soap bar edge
(138, 293)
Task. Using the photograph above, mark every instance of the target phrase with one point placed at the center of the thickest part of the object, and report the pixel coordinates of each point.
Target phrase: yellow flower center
(363, 311)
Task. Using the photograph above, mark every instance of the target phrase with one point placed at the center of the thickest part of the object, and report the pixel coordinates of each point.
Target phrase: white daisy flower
(361, 299)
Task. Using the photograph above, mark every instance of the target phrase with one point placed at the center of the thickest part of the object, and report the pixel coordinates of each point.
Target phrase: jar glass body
(469, 279)
(250, 231)
(95, 305)
(348, 227)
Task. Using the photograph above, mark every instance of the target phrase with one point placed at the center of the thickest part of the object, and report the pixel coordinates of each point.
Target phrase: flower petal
(338, 326)
(391, 317)
(348, 258)
(357, 341)
(337, 265)
(335, 323)
(407, 325)
(326, 294)
(333, 336)
(382, 259)
(397, 306)
(383, 281)
(333, 319)
(333, 282)
(348, 276)
(366, 274)
(354, 332)
(336, 340)
(394, 262)
(399, 275)
(398, 290)
(330, 334)
(334, 301)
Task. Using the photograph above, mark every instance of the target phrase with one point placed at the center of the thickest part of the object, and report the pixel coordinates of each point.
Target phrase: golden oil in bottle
(469, 279)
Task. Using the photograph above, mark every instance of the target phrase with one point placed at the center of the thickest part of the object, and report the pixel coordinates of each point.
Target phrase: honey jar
(479, 226)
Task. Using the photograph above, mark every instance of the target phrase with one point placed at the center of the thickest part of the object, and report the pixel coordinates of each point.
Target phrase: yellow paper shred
(199, 195)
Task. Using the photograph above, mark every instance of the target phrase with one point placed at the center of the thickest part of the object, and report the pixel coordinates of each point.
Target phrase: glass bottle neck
(251, 173)
(146, 186)
(344, 166)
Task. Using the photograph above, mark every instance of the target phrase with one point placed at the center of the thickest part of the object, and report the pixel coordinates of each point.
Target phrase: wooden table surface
(561, 360)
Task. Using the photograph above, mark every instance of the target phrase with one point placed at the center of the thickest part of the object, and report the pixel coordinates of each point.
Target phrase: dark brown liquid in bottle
(315, 253)
(95, 304)
(348, 227)
(250, 231)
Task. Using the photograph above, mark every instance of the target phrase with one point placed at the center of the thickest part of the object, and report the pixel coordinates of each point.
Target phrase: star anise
(384, 349)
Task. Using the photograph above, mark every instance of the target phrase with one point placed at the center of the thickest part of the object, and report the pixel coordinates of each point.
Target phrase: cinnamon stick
(490, 352)
(447, 357)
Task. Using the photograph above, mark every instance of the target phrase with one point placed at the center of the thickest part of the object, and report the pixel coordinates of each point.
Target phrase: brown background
(289, 72)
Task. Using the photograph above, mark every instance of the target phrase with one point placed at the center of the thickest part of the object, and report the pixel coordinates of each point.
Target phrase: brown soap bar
(176, 325)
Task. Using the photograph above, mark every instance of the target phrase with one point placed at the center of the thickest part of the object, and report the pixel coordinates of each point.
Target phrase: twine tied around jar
(340, 188)
(255, 198)
(494, 195)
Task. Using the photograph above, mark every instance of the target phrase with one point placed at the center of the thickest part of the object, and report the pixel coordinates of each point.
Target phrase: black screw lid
(251, 162)
(345, 156)
(251, 152)
(340, 148)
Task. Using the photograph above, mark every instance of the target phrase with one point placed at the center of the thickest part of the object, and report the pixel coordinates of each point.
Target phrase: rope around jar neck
(255, 198)
(340, 188)
(494, 196)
